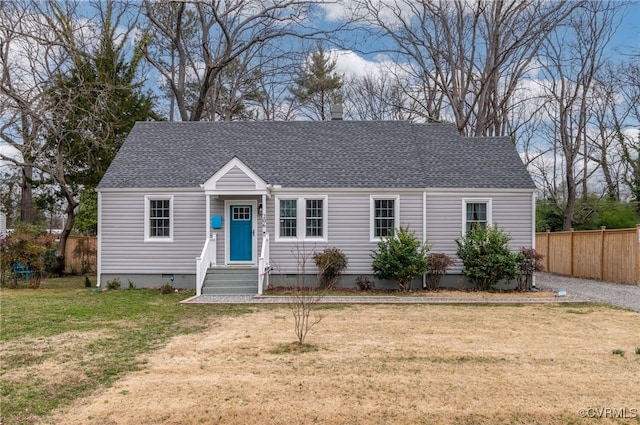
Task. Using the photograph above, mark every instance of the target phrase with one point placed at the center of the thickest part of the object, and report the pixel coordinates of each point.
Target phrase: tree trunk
(26, 201)
(61, 252)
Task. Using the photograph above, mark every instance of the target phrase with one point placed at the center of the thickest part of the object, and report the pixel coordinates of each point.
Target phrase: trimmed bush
(437, 265)
(401, 258)
(486, 256)
(331, 262)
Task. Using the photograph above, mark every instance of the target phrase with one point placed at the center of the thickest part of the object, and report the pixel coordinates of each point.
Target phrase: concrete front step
(231, 281)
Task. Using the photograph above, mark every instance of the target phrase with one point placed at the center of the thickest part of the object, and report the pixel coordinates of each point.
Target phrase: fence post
(571, 252)
(602, 229)
(548, 263)
(637, 254)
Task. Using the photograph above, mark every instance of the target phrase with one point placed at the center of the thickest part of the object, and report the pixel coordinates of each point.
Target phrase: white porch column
(264, 214)
(208, 217)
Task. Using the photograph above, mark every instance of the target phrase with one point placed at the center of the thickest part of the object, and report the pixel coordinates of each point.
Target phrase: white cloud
(350, 64)
(10, 152)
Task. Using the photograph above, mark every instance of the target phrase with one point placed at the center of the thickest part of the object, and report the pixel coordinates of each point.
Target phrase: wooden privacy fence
(610, 255)
(81, 254)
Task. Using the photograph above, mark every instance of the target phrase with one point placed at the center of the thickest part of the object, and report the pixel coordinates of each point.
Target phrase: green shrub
(131, 285)
(331, 262)
(113, 283)
(166, 289)
(364, 284)
(618, 352)
(401, 258)
(486, 256)
(28, 245)
(437, 265)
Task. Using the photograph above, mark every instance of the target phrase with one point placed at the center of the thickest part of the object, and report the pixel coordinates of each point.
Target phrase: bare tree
(305, 296)
(629, 82)
(27, 35)
(571, 60)
(383, 95)
(606, 140)
(473, 53)
(45, 84)
(195, 42)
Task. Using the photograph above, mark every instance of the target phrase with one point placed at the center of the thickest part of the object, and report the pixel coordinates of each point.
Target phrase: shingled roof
(315, 154)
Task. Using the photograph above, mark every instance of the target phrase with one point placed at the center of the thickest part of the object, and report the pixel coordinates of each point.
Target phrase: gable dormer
(235, 178)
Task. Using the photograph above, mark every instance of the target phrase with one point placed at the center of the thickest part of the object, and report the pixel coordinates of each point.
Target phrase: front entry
(240, 233)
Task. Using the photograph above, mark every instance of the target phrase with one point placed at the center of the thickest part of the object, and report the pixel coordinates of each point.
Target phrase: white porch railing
(206, 259)
(263, 264)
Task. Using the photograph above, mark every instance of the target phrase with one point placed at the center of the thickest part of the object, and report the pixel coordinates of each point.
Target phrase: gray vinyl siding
(348, 230)
(235, 179)
(510, 211)
(123, 248)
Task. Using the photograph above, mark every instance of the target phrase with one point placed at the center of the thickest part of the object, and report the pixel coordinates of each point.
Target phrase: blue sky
(628, 35)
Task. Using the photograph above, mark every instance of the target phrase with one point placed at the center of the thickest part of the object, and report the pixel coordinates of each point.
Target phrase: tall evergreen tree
(93, 107)
(318, 86)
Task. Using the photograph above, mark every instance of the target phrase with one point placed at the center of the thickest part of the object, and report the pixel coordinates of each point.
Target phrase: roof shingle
(316, 154)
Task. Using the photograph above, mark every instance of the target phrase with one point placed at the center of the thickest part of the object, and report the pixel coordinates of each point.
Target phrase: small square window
(241, 213)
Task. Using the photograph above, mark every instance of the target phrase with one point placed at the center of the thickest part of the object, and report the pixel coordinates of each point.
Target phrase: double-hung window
(385, 212)
(158, 211)
(476, 212)
(301, 218)
(314, 225)
(288, 218)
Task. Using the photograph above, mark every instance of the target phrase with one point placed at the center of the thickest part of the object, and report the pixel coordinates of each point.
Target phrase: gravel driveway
(627, 296)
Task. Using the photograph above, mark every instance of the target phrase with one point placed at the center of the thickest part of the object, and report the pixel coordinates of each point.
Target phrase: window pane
(288, 217)
(476, 215)
(314, 219)
(159, 218)
(241, 213)
(384, 217)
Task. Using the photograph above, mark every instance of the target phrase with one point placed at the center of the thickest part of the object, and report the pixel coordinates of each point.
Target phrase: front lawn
(62, 341)
(76, 356)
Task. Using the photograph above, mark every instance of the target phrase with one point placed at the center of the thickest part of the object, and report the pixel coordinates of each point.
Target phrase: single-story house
(228, 207)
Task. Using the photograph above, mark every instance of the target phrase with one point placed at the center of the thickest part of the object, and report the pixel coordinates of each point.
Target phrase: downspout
(99, 259)
(208, 215)
(424, 231)
(533, 230)
(264, 214)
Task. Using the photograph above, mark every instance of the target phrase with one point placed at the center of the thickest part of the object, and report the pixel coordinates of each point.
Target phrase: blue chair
(22, 270)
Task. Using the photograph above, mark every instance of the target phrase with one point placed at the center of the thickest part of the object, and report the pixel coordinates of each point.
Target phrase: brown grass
(418, 364)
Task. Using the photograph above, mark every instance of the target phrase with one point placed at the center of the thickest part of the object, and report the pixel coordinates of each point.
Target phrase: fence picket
(610, 255)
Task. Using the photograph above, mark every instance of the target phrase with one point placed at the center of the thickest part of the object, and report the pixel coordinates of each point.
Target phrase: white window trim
(372, 212)
(301, 218)
(147, 219)
(466, 201)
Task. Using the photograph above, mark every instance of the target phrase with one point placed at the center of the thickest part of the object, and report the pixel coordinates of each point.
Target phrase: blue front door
(240, 233)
